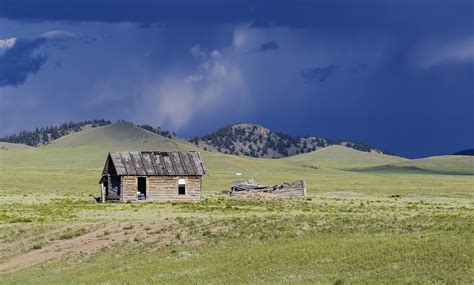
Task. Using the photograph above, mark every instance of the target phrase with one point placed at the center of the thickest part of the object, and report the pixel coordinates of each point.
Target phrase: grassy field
(7, 146)
(349, 229)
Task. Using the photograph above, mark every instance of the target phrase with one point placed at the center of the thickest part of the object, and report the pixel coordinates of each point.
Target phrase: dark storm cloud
(144, 26)
(22, 58)
(58, 64)
(352, 15)
(144, 11)
(151, 25)
(319, 74)
(262, 23)
(358, 68)
(267, 46)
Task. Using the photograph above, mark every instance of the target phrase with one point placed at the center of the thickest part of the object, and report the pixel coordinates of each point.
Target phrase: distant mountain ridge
(45, 135)
(240, 139)
(256, 141)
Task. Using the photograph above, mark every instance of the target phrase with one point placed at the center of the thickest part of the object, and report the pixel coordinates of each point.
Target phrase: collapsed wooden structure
(244, 187)
(152, 176)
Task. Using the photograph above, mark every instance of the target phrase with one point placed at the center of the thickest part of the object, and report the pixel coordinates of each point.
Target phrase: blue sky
(395, 74)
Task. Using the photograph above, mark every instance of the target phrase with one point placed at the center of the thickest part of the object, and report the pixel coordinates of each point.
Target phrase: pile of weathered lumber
(244, 187)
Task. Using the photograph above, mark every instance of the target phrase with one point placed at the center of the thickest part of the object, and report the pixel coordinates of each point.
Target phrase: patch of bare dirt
(84, 245)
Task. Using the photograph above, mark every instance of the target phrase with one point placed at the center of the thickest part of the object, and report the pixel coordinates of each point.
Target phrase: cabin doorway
(141, 194)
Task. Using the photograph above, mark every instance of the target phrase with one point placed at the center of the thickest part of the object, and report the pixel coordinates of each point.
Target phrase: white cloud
(6, 44)
(65, 36)
(215, 54)
(198, 53)
(459, 51)
(175, 101)
(240, 38)
(59, 35)
(245, 39)
(210, 68)
(53, 36)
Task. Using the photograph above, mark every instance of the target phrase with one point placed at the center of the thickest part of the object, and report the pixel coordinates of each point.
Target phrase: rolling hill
(127, 136)
(448, 164)
(44, 135)
(256, 141)
(120, 136)
(7, 146)
(337, 156)
(240, 139)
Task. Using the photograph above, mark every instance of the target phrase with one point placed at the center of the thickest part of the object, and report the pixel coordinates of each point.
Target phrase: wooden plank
(197, 163)
(118, 163)
(168, 164)
(297, 188)
(177, 163)
(188, 163)
(156, 165)
(102, 193)
(138, 163)
(129, 188)
(184, 163)
(201, 163)
(128, 163)
(159, 164)
(148, 163)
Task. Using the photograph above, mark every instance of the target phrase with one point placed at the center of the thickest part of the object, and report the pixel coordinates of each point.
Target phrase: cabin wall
(162, 188)
(113, 188)
(129, 188)
(165, 188)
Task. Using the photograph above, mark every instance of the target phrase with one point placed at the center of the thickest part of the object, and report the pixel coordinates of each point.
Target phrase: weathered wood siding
(165, 188)
(297, 188)
(102, 193)
(129, 188)
(162, 188)
(113, 188)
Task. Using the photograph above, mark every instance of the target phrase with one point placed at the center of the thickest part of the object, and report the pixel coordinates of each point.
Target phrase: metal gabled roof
(158, 163)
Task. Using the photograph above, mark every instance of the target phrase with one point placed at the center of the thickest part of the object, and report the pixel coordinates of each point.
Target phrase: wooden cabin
(152, 176)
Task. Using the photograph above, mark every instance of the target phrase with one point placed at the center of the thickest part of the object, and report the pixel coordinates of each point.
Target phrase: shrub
(70, 234)
(37, 246)
(128, 227)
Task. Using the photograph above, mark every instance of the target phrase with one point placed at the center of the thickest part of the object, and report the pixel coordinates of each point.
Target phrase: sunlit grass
(349, 228)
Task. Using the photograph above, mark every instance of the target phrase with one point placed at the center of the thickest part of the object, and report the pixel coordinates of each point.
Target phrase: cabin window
(141, 193)
(182, 187)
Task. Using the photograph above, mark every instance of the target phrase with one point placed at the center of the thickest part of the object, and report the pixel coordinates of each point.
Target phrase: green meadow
(368, 218)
